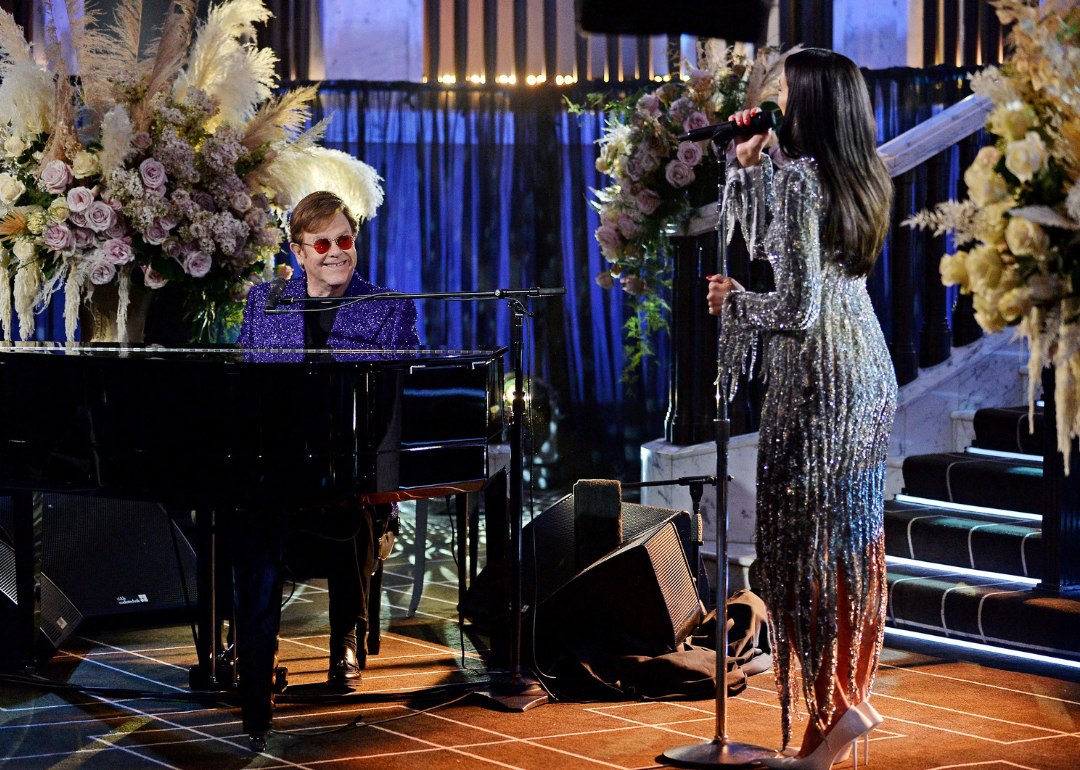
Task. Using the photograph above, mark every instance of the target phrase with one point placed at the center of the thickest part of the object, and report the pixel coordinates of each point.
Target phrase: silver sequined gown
(825, 424)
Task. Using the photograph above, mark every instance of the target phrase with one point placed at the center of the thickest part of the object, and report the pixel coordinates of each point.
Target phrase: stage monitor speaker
(112, 557)
(58, 620)
(639, 599)
(732, 20)
(548, 552)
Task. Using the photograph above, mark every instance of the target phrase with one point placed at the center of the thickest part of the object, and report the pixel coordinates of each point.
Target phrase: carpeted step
(1006, 430)
(958, 538)
(987, 610)
(991, 482)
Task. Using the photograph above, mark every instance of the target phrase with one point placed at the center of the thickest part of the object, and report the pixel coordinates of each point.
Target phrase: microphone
(276, 287)
(722, 133)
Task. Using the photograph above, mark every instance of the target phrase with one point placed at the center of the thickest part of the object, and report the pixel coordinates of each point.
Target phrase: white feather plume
(225, 63)
(117, 134)
(300, 170)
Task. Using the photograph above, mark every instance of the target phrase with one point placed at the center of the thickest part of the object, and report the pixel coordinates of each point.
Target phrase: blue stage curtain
(489, 187)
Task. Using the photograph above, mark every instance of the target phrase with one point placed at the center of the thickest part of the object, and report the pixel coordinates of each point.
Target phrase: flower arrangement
(659, 181)
(1019, 229)
(173, 168)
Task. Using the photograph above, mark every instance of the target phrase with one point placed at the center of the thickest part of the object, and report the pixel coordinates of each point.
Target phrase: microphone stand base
(717, 753)
(514, 692)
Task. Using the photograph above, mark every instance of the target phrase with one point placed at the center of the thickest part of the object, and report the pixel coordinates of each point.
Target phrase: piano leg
(256, 544)
(204, 676)
(27, 536)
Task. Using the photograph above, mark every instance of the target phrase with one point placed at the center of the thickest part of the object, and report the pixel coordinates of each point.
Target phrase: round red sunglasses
(322, 245)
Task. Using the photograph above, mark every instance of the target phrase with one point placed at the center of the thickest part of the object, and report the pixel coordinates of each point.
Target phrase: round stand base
(717, 754)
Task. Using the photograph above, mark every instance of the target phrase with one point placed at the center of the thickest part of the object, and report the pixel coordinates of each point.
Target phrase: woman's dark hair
(829, 118)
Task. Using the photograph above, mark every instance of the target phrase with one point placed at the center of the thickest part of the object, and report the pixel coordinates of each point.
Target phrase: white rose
(1026, 239)
(1013, 121)
(15, 146)
(58, 210)
(988, 156)
(85, 164)
(985, 185)
(1026, 157)
(11, 189)
(953, 270)
(24, 249)
(984, 267)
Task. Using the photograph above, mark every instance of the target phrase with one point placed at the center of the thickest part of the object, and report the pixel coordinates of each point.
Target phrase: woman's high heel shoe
(847, 729)
(875, 720)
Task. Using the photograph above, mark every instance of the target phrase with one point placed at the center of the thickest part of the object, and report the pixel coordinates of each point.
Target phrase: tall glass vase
(97, 318)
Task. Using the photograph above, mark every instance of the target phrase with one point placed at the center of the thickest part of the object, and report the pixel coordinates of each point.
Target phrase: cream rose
(1013, 121)
(984, 267)
(988, 156)
(953, 270)
(989, 225)
(58, 210)
(1026, 157)
(24, 249)
(985, 185)
(987, 314)
(1026, 239)
(35, 221)
(1014, 303)
(85, 164)
(14, 146)
(11, 189)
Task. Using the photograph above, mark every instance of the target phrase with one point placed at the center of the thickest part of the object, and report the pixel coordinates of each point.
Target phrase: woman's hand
(719, 286)
(748, 149)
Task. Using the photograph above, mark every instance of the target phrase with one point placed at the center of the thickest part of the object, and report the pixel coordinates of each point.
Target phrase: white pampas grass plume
(28, 283)
(764, 80)
(5, 293)
(26, 99)
(295, 173)
(73, 281)
(14, 49)
(225, 63)
(169, 52)
(117, 134)
(123, 302)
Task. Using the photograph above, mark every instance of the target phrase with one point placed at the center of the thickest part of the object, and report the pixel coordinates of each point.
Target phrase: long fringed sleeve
(793, 248)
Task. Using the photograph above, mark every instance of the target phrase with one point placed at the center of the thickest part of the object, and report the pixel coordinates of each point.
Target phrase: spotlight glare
(531, 80)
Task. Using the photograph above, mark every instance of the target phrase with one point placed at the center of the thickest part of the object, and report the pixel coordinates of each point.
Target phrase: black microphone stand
(721, 751)
(516, 691)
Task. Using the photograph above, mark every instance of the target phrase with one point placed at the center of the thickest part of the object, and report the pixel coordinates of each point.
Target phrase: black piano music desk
(247, 435)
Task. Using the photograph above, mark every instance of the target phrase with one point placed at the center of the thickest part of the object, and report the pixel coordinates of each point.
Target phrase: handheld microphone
(276, 287)
(722, 133)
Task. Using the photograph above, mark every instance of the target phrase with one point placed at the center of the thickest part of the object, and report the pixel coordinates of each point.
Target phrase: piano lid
(238, 354)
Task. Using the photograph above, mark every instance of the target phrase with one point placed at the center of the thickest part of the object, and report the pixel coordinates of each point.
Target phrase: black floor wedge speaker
(58, 618)
(112, 557)
(639, 599)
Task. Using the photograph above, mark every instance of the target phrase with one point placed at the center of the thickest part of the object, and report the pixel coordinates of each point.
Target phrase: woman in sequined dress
(818, 211)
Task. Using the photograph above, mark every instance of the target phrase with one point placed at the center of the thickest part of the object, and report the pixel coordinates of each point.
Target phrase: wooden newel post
(1061, 505)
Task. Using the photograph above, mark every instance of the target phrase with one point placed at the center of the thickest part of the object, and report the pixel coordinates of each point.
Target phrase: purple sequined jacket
(373, 325)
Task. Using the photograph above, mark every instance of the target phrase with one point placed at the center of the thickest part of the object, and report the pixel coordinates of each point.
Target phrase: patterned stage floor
(939, 713)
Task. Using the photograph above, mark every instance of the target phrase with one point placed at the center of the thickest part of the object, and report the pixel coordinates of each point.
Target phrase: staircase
(964, 544)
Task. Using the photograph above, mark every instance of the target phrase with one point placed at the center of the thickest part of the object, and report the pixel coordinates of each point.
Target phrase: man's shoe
(344, 668)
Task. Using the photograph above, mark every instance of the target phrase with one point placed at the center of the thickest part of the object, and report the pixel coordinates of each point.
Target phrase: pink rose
(142, 140)
(155, 234)
(205, 201)
(56, 176)
(608, 236)
(696, 120)
(58, 237)
(241, 202)
(627, 227)
(633, 285)
(102, 272)
(634, 169)
(197, 264)
(604, 280)
(79, 199)
(100, 216)
(115, 204)
(649, 162)
(84, 238)
(118, 230)
(172, 248)
(649, 106)
(700, 80)
(152, 173)
(260, 201)
(681, 109)
(679, 174)
(168, 222)
(152, 278)
(690, 153)
(647, 202)
(188, 247)
(77, 218)
(118, 250)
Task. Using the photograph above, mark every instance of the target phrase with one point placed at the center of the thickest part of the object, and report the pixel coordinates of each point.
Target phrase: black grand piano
(244, 437)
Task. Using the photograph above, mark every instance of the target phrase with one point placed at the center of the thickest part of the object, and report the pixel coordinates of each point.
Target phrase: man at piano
(322, 233)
